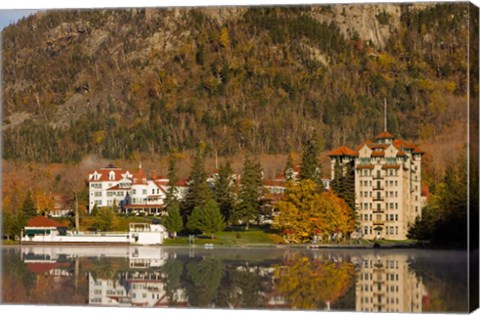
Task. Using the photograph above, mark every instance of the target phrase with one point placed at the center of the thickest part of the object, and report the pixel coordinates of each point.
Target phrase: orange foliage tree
(305, 212)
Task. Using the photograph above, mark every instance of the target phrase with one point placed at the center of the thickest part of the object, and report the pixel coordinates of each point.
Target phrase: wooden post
(77, 215)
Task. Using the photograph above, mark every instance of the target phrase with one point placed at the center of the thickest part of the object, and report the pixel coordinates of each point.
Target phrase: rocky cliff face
(258, 79)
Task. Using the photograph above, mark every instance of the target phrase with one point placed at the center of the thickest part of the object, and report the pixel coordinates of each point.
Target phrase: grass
(10, 242)
(232, 238)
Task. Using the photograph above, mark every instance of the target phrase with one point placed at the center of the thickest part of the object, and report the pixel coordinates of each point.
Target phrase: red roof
(425, 191)
(135, 206)
(388, 166)
(182, 182)
(105, 173)
(365, 166)
(418, 150)
(139, 177)
(272, 182)
(384, 135)
(343, 151)
(358, 147)
(402, 144)
(46, 267)
(41, 221)
(378, 153)
(401, 153)
(117, 187)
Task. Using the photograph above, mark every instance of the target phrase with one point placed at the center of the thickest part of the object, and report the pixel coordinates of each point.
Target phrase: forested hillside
(113, 83)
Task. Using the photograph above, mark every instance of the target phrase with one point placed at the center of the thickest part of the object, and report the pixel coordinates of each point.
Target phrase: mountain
(242, 79)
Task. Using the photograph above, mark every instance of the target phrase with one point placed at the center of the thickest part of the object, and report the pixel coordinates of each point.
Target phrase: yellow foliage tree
(305, 212)
(224, 38)
(300, 215)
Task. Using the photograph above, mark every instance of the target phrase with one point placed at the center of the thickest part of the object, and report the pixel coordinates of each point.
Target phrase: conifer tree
(224, 190)
(289, 168)
(338, 180)
(94, 210)
(349, 186)
(251, 192)
(206, 218)
(172, 180)
(173, 222)
(28, 207)
(310, 168)
(198, 190)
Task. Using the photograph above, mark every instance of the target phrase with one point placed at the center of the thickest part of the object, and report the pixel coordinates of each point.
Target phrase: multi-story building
(131, 193)
(387, 184)
(108, 186)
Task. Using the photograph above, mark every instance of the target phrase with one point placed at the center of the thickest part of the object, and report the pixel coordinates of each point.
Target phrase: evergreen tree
(224, 190)
(310, 168)
(251, 192)
(198, 190)
(338, 180)
(172, 180)
(173, 222)
(349, 186)
(289, 168)
(206, 218)
(94, 210)
(105, 219)
(28, 207)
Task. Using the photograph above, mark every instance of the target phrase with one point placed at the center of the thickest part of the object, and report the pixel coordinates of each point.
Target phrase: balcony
(377, 188)
(376, 198)
(378, 222)
(379, 177)
(379, 211)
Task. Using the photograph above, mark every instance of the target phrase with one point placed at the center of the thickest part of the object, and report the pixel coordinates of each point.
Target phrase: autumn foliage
(305, 212)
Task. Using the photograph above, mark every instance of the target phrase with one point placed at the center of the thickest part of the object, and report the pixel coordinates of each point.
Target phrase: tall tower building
(387, 184)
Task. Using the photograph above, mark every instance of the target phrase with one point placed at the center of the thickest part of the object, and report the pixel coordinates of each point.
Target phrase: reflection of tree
(247, 288)
(16, 279)
(310, 284)
(445, 280)
(108, 268)
(173, 271)
(205, 276)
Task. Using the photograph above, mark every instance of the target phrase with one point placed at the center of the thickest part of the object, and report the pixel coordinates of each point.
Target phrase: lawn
(232, 238)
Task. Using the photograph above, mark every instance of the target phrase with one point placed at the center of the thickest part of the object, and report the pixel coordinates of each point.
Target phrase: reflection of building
(133, 288)
(387, 184)
(385, 284)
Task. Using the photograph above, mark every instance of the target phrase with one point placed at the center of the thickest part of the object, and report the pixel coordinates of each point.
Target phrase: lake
(387, 280)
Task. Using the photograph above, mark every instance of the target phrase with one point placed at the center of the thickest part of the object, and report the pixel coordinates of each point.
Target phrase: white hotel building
(387, 185)
(135, 193)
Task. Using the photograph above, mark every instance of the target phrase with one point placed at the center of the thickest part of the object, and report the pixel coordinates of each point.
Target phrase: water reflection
(361, 280)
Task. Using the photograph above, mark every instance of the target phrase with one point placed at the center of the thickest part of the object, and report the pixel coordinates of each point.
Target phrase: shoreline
(215, 246)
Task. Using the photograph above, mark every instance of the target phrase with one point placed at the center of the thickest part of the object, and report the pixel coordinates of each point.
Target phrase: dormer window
(111, 176)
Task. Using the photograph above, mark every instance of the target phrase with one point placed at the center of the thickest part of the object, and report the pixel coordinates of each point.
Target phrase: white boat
(41, 230)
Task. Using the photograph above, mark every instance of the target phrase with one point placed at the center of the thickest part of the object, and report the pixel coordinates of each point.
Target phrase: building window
(396, 230)
(144, 191)
(98, 194)
(396, 217)
(396, 206)
(153, 191)
(396, 194)
(134, 191)
(386, 217)
(391, 217)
